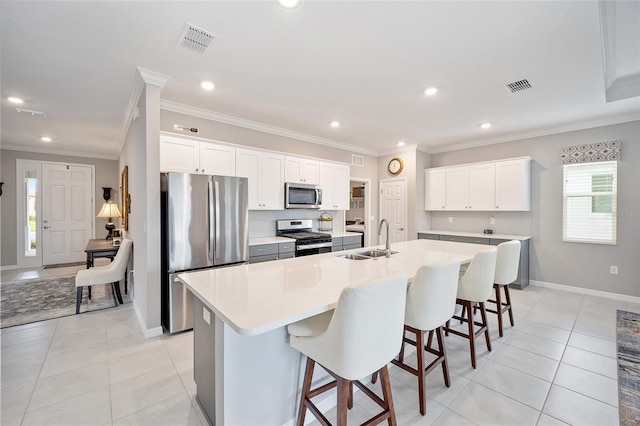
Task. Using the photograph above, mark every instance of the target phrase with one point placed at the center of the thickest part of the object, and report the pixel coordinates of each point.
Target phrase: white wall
(554, 261)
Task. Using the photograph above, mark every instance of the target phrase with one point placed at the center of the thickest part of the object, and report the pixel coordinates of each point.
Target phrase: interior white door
(393, 207)
(67, 216)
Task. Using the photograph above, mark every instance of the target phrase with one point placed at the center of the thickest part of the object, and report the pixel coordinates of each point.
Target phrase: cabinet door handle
(46, 227)
(196, 170)
(202, 170)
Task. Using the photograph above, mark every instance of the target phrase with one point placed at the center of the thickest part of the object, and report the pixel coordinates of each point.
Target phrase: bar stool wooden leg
(499, 307)
(306, 388)
(343, 400)
(443, 352)
(421, 375)
(483, 314)
(507, 296)
(472, 343)
(386, 395)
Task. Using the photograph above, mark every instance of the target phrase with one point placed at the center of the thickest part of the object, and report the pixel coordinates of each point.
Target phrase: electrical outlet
(492, 220)
(178, 127)
(613, 269)
(450, 219)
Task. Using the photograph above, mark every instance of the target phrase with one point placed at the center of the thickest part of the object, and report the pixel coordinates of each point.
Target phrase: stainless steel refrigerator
(205, 224)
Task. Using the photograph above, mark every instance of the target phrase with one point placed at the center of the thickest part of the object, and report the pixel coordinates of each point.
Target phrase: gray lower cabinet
(523, 269)
(263, 253)
(286, 250)
(346, 243)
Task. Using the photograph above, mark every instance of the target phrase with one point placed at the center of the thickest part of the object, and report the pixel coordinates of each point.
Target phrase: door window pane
(30, 187)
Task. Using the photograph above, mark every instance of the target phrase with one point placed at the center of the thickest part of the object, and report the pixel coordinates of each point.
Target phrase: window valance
(591, 152)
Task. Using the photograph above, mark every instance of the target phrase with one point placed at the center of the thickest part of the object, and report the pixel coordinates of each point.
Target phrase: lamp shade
(109, 209)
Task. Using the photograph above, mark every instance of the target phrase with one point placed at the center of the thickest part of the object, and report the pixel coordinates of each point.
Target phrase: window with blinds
(590, 196)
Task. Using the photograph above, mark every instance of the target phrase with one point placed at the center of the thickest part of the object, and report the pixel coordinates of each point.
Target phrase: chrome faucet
(388, 245)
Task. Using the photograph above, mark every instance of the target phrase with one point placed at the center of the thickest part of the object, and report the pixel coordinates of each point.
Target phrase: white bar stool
(475, 288)
(358, 338)
(431, 301)
(507, 264)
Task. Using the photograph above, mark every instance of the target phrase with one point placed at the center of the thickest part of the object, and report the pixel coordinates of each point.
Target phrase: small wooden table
(100, 247)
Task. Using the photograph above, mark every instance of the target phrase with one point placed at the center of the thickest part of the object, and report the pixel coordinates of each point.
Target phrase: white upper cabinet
(489, 186)
(434, 189)
(179, 155)
(217, 159)
(189, 156)
(482, 186)
(334, 182)
(301, 170)
(265, 172)
(513, 185)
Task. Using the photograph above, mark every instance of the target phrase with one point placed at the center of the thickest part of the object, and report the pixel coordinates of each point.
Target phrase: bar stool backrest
(477, 282)
(507, 262)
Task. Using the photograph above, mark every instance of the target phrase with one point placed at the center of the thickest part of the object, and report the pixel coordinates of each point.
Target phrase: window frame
(567, 195)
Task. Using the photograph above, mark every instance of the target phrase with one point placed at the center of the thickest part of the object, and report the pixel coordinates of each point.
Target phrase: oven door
(302, 196)
(315, 248)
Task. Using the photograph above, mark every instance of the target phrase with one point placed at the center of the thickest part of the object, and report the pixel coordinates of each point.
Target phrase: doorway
(54, 212)
(393, 207)
(358, 217)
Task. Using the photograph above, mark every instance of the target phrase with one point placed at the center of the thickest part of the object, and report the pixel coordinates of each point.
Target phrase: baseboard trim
(8, 267)
(587, 291)
(147, 332)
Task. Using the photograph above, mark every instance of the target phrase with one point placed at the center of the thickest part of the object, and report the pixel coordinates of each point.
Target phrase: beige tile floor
(556, 366)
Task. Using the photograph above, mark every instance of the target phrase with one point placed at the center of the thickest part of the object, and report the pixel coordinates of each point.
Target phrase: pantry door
(67, 212)
(393, 207)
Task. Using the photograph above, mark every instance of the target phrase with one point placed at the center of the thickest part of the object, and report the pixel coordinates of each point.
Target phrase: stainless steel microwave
(302, 196)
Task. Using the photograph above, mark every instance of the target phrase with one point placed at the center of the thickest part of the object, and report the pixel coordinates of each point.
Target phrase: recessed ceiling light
(45, 139)
(207, 85)
(15, 100)
(289, 4)
(401, 143)
(335, 124)
(431, 91)
(485, 125)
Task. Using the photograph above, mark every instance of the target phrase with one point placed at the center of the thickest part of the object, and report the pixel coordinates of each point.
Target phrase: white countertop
(256, 298)
(268, 240)
(477, 234)
(337, 234)
(355, 228)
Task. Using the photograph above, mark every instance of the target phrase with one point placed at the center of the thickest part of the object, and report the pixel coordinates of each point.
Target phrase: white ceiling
(363, 63)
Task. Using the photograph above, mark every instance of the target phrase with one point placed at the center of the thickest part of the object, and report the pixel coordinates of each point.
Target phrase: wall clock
(395, 166)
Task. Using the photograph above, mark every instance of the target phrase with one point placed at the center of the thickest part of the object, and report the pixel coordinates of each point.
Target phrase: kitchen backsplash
(263, 223)
(515, 223)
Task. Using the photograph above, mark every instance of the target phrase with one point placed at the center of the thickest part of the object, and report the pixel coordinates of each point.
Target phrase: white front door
(393, 207)
(67, 213)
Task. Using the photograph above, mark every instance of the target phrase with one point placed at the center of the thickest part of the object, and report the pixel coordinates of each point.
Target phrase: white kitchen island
(246, 372)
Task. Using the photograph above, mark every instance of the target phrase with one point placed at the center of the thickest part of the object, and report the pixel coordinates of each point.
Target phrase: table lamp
(109, 210)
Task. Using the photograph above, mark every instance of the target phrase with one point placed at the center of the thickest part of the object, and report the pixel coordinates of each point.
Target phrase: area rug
(26, 301)
(628, 342)
(64, 265)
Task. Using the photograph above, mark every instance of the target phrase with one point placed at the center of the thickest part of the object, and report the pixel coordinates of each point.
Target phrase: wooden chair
(357, 339)
(109, 274)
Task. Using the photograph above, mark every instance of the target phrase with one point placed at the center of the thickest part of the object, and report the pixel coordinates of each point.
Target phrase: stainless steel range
(307, 241)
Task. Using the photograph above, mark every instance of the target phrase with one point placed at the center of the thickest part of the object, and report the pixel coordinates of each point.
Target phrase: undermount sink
(364, 255)
(354, 256)
(375, 253)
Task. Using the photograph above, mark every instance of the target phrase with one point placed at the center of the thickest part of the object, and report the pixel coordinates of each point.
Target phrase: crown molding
(398, 150)
(152, 77)
(57, 151)
(143, 76)
(260, 127)
(538, 133)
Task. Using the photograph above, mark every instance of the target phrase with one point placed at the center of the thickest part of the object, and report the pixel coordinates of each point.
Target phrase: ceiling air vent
(357, 160)
(519, 86)
(195, 38)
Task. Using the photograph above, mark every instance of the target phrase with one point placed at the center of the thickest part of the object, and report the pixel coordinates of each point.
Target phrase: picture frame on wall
(126, 198)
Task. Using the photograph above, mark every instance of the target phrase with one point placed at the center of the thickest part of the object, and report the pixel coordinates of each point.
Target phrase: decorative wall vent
(357, 160)
(31, 112)
(519, 86)
(195, 38)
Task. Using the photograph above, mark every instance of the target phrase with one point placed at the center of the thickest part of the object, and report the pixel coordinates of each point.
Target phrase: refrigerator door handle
(217, 218)
(210, 220)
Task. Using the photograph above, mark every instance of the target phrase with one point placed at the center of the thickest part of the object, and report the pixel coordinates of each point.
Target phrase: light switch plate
(206, 315)
(450, 219)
